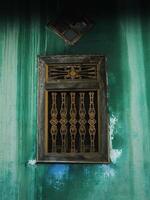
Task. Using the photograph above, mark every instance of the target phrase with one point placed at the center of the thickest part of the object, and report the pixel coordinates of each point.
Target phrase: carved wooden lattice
(73, 122)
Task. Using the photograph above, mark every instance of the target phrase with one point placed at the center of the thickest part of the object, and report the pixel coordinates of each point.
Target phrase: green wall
(124, 38)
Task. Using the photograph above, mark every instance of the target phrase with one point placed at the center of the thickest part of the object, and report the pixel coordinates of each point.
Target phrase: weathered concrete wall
(124, 39)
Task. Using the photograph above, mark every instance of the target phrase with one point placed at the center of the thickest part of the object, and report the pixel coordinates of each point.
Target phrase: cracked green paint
(124, 39)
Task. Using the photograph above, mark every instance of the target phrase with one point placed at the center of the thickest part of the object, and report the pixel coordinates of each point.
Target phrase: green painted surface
(124, 39)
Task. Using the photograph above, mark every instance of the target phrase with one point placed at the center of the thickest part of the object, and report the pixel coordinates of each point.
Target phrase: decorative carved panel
(72, 117)
(74, 72)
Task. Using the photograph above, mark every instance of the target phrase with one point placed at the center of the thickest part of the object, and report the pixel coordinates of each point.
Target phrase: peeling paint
(31, 162)
(114, 153)
(108, 171)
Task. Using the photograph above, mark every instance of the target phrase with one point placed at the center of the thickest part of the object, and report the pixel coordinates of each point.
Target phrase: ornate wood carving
(73, 121)
(75, 109)
(73, 72)
(63, 121)
(82, 122)
(54, 121)
(92, 121)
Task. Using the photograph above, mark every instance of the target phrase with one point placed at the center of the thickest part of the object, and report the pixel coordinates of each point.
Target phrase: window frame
(102, 156)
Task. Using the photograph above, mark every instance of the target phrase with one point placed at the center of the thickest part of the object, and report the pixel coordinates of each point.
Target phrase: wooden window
(70, 29)
(72, 109)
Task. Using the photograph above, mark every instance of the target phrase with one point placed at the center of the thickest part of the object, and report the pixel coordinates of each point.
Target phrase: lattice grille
(72, 121)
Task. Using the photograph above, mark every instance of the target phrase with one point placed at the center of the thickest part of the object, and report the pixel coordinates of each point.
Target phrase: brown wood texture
(99, 84)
